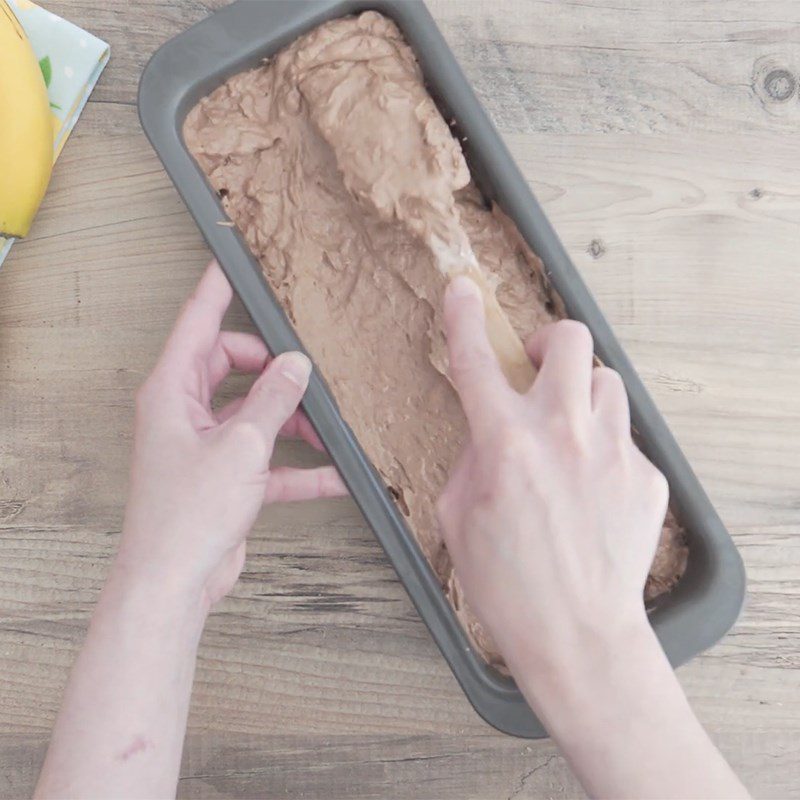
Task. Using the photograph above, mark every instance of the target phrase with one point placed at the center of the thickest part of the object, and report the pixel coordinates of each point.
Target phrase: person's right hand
(552, 517)
(552, 514)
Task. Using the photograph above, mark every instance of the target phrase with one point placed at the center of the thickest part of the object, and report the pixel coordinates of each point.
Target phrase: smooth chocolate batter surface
(339, 170)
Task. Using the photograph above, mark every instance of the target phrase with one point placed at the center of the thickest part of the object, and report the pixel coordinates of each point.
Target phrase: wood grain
(659, 139)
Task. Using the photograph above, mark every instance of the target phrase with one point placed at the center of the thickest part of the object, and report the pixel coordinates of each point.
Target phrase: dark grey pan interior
(706, 602)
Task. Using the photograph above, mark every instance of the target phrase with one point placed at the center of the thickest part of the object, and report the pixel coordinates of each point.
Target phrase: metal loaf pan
(706, 602)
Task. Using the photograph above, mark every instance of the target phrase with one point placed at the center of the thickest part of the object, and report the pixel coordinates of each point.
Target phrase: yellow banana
(26, 129)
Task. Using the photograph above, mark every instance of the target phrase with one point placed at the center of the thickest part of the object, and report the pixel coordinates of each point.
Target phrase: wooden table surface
(662, 139)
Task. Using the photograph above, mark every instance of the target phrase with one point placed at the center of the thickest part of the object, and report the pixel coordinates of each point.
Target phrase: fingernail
(296, 367)
(462, 286)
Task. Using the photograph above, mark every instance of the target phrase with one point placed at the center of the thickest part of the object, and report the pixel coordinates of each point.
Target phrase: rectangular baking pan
(706, 602)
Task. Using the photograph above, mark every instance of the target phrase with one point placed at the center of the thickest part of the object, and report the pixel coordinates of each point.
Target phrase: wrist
(158, 600)
(150, 559)
(586, 663)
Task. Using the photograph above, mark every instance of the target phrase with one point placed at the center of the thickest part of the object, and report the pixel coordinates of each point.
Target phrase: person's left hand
(199, 477)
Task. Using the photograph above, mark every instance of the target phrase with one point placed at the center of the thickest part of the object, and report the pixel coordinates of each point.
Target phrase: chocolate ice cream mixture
(310, 153)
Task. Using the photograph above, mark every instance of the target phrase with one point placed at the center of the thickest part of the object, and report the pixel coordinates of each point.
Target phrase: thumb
(274, 397)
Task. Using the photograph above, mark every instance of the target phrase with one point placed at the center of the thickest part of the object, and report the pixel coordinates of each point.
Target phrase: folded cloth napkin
(71, 60)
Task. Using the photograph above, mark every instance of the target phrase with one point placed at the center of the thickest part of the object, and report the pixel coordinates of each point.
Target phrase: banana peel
(26, 129)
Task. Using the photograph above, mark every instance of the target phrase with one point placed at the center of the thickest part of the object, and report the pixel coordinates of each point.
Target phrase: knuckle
(246, 435)
(575, 440)
(620, 446)
(278, 390)
(467, 360)
(515, 445)
(245, 430)
(570, 435)
(656, 484)
(574, 330)
(484, 507)
(610, 377)
(620, 460)
(660, 485)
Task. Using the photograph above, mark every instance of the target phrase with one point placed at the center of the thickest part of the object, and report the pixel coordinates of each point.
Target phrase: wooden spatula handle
(514, 361)
(459, 259)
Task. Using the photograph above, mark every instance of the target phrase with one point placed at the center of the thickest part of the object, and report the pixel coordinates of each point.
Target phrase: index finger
(195, 333)
(474, 369)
